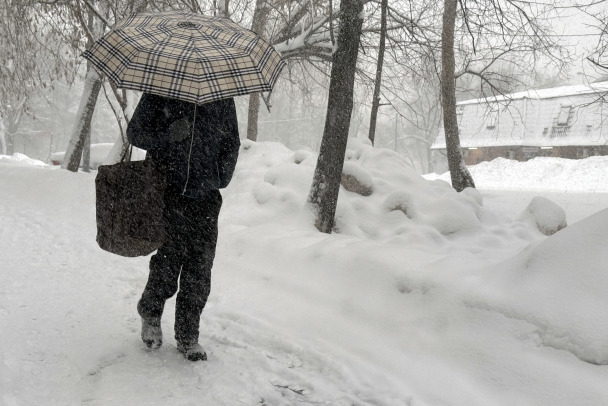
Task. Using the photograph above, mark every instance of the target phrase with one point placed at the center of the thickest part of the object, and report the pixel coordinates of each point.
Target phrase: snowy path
(71, 332)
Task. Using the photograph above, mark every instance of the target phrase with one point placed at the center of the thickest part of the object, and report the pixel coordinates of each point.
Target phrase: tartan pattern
(186, 56)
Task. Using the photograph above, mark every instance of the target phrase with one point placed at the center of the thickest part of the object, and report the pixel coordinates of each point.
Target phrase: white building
(564, 121)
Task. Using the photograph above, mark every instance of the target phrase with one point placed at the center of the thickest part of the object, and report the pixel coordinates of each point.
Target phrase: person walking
(189, 67)
(196, 147)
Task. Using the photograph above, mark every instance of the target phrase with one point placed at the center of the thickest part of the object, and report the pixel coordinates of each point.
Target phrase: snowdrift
(559, 286)
(541, 173)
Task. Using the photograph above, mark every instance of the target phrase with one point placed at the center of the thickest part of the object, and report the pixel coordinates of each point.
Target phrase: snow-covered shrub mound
(559, 287)
(547, 216)
(383, 198)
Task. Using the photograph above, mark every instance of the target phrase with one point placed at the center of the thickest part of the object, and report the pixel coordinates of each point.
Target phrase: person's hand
(179, 130)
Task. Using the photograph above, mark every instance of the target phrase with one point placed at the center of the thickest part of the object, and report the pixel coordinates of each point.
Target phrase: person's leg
(165, 268)
(195, 280)
(162, 284)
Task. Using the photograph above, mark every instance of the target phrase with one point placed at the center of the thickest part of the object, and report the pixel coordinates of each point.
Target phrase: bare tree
(259, 20)
(498, 46)
(94, 18)
(378, 81)
(37, 51)
(80, 141)
(323, 196)
(422, 115)
(596, 11)
(81, 132)
(461, 178)
(311, 39)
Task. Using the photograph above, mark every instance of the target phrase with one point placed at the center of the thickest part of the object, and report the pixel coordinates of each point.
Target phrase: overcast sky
(580, 33)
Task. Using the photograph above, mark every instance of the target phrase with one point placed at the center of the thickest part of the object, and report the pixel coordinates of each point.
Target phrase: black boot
(151, 333)
(192, 351)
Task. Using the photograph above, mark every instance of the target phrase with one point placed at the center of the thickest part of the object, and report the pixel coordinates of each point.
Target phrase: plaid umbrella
(186, 56)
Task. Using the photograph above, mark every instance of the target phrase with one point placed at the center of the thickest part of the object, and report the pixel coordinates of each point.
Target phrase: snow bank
(20, 159)
(555, 174)
(558, 287)
(406, 283)
(99, 153)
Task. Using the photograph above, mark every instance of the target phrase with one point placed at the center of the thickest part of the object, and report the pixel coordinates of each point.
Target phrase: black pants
(186, 259)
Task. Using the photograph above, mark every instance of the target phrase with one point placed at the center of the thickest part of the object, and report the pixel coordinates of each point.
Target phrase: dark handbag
(129, 204)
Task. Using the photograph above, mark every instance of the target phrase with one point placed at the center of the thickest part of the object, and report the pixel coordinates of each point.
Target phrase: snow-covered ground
(422, 297)
(579, 186)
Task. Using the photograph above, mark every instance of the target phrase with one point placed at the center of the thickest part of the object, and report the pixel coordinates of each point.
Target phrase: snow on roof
(548, 93)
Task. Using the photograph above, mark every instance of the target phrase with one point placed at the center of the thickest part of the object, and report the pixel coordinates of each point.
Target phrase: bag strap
(190, 152)
(129, 148)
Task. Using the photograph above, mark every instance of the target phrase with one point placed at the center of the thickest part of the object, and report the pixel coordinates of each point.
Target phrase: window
(582, 153)
(564, 116)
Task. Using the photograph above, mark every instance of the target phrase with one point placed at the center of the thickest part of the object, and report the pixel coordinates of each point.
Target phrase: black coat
(197, 146)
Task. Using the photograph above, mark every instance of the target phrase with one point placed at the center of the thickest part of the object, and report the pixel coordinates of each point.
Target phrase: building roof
(548, 93)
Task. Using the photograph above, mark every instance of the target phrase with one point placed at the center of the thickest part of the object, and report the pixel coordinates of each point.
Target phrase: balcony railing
(559, 132)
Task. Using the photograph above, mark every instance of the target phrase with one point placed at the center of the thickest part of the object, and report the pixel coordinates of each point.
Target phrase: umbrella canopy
(186, 56)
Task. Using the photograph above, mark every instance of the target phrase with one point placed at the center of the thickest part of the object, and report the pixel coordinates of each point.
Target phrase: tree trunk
(376, 98)
(14, 121)
(253, 114)
(82, 127)
(2, 139)
(323, 196)
(429, 158)
(258, 24)
(461, 178)
(86, 153)
(81, 133)
(9, 138)
(9, 144)
(221, 7)
(396, 133)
